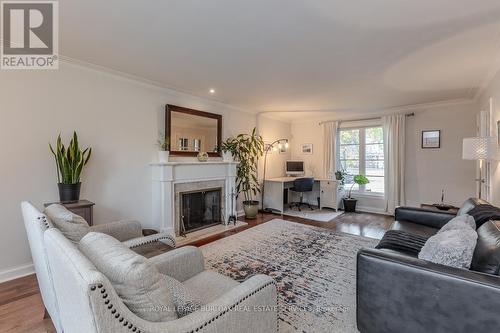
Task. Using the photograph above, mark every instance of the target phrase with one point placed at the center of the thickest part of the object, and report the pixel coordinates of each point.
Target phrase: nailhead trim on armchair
(44, 221)
(134, 328)
(166, 237)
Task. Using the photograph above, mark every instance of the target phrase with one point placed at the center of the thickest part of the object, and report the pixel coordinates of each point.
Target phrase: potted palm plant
(246, 149)
(69, 163)
(349, 201)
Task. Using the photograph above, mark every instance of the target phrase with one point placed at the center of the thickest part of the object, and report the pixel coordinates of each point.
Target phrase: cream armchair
(36, 223)
(89, 303)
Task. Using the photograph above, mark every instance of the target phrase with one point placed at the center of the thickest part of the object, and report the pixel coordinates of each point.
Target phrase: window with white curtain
(361, 152)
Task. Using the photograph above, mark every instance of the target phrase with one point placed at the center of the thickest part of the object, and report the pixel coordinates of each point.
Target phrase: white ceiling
(292, 55)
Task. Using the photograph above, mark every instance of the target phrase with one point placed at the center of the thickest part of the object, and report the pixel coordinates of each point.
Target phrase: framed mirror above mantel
(192, 131)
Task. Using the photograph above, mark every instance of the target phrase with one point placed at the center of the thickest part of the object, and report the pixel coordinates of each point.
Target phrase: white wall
(493, 91)
(428, 170)
(118, 117)
(271, 130)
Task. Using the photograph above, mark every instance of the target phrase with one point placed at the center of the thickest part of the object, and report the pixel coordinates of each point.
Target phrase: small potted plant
(226, 150)
(163, 148)
(340, 176)
(69, 163)
(349, 201)
(246, 149)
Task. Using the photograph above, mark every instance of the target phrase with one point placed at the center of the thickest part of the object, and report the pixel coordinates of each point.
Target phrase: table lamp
(480, 149)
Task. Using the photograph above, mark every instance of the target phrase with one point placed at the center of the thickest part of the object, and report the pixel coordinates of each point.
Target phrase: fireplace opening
(200, 209)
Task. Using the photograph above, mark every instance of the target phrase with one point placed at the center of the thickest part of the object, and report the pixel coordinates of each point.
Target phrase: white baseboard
(16, 272)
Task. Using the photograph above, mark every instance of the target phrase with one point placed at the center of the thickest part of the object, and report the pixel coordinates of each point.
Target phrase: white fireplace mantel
(166, 175)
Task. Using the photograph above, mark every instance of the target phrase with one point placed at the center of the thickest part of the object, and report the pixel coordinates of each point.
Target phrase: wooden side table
(84, 208)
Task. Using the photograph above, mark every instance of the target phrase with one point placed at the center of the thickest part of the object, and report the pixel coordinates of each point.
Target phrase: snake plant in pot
(69, 163)
(246, 149)
(349, 201)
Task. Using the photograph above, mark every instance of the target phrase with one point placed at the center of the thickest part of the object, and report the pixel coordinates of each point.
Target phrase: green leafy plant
(70, 161)
(246, 149)
(360, 180)
(163, 142)
(340, 176)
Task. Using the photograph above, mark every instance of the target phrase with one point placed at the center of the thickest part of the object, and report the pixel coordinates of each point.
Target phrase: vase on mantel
(227, 156)
(163, 156)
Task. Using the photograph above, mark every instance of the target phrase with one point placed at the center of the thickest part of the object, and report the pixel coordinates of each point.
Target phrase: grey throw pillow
(184, 300)
(451, 248)
(146, 292)
(138, 282)
(72, 226)
(459, 222)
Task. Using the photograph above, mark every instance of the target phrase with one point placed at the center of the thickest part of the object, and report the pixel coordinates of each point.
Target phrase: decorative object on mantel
(281, 143)
(227, 156)
(202, 156)
(307, 148)
(164, 148)
(480, 149)
(349, 201)
(431, 139)
(246, 148)
(69, 164)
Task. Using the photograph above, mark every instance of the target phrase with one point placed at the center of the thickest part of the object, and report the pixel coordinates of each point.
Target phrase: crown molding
(175, 92)
(371, 112)
(491, 74)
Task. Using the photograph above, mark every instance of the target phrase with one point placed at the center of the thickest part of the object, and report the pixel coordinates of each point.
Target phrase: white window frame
(362, 157)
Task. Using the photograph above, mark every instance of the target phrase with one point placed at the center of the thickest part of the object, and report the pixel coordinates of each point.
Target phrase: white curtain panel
(394, 151)
(330, 132)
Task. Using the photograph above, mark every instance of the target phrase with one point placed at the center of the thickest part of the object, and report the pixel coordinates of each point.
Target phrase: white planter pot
(227, 156)
(163, 156)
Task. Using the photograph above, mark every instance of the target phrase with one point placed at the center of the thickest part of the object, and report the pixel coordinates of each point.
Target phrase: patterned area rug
(320, 215)
(315, 269)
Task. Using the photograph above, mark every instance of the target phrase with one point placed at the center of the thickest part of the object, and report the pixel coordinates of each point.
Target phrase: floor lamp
(480, 149)
(279, 142)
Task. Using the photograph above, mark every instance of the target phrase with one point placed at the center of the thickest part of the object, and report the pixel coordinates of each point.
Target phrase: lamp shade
(480, 148)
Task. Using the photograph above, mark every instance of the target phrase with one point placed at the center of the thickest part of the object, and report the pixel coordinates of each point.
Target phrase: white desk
(276, 191)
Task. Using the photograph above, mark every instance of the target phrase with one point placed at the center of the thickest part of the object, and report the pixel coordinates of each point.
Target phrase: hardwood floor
(22, 310)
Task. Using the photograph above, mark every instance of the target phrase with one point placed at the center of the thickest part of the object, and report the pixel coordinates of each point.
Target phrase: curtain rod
(361, 119)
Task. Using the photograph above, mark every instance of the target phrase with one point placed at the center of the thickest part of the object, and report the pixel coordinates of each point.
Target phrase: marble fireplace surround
(172, 178)
(191, 187)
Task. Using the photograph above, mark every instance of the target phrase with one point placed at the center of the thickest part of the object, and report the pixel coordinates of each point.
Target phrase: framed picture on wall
(307, 148)
(431, 139)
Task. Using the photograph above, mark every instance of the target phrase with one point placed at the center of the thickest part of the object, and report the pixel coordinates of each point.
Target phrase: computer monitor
(294, 168)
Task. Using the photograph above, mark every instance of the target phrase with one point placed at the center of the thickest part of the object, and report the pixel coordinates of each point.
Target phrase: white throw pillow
(72, 226)
(459, 222)
(451, 248)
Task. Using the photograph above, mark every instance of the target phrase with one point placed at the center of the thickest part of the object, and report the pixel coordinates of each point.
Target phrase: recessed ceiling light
(212, 91)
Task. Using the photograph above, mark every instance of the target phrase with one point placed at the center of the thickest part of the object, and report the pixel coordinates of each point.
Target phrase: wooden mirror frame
(169, 108)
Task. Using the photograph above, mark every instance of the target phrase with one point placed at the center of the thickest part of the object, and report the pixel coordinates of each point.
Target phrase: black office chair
(301, 186)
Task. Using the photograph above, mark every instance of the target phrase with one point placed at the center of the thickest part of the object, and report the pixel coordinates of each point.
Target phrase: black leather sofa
(398, 292)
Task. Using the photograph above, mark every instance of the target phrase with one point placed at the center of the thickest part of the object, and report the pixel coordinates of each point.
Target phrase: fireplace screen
(200, 209)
